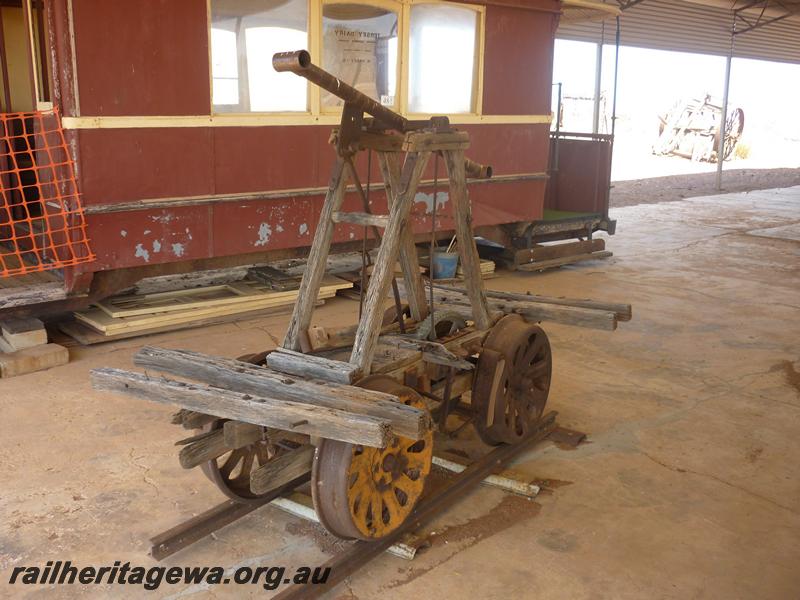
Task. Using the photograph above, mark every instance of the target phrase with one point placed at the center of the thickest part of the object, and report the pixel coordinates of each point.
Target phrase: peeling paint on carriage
(264, 233)
(427, 199)
(164, 219)
(142, 253)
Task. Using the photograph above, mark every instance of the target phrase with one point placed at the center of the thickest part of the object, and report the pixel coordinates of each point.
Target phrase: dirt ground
(676, 187)
(688, 486)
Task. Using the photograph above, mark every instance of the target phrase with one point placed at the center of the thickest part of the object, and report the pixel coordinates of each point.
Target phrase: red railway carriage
(191, 152)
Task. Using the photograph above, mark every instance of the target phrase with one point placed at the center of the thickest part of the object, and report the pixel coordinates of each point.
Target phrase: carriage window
(443, 49)
(359, 46)
(244, 36)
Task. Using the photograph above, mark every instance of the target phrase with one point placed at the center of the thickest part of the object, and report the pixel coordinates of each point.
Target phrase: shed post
(722, 123)
(598, 76)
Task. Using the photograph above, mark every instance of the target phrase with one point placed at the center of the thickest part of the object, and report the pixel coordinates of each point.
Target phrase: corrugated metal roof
(688, 27)
(587, 10)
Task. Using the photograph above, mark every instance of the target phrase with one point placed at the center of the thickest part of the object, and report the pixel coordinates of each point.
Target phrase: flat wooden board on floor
(197, 298)
(102, 322)
(86, 336)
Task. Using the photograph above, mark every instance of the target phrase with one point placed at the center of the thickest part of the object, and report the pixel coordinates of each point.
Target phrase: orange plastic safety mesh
(42, 225)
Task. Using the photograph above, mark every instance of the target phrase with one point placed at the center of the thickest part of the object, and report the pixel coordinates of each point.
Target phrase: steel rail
(360, 553)
(179, 537)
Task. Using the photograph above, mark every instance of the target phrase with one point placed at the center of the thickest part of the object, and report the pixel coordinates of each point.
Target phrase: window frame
(314, 109)
(39, 66)
(396, 6)
(310, 99)
(477, 76)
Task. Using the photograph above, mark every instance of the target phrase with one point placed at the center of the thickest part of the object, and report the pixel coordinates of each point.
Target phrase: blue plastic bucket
(445, 265)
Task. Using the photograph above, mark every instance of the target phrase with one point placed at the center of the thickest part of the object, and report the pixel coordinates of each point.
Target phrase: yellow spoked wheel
(366, 493)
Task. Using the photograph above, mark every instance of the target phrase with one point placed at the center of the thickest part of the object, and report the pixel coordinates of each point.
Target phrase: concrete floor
(689, 487)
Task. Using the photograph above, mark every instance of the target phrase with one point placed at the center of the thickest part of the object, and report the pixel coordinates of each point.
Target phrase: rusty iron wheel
(231, 471)
(366, 493)
(512, 380)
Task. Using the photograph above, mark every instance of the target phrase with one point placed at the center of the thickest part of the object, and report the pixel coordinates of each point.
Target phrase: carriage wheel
(231, 471)
(512, 380)
(733, 131)
(366, 493)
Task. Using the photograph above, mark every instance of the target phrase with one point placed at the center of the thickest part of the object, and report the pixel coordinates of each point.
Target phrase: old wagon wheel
(733, 131)
(366, 493)
(231, 471)
(512, 380)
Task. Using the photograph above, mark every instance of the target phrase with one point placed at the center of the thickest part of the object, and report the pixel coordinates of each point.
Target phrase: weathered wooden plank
(210, 297)
(380, 142)
(325, 338)
(86, 336)
(282, 470)
(623, 311)
(238, 434)
(369, 327)
(189, 419)
(21, 333)
(203, 450)
(560, 262)
(299, 417)
(297, 332)
(391, 169)
(246, 378)
(432, 352)
(30, 360)
(540, 252)
(308, 365)
(421, 141)
(468, 252)
(37, 293)
(532, 311)
(101, 321)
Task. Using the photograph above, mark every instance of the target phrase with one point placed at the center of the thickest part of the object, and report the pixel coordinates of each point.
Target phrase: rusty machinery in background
(352, 409)
(691, 129)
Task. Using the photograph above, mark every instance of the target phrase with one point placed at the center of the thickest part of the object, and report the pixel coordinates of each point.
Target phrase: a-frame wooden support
(401, 178)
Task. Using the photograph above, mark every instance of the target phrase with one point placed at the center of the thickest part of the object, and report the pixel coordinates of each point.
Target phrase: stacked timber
(139, 314)
(487, 268)
(24, 348)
